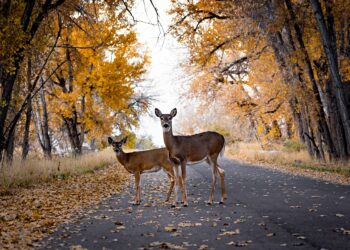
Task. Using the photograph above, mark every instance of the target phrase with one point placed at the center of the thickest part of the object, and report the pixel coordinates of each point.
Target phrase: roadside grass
(330, 168)
(35, 170)
(292, 155)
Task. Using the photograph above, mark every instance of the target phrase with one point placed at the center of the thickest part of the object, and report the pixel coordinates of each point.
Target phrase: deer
(192, 149)
(139, 162)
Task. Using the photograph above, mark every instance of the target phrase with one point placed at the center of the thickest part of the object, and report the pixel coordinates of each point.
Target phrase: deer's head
(117, 145)
(165, 119)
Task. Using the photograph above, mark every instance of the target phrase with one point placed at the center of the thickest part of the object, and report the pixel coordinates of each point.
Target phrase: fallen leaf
(170, 229)
(242, 243)
(76, 247)
(203, 247)
(298, 244)
(239, 221)
(346, 232)
(166, 245)
(229, 233)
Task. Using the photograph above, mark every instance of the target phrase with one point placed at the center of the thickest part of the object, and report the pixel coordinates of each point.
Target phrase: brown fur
(186, 149)
(142, 162)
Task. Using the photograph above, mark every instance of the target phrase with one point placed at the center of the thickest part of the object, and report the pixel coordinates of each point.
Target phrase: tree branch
(274, 110)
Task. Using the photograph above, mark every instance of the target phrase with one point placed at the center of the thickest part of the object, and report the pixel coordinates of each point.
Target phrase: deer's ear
(110, 140)
(125, 139)
(173, 112)
(158, 112)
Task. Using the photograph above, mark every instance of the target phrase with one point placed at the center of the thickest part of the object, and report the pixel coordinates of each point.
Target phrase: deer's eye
(162, 118)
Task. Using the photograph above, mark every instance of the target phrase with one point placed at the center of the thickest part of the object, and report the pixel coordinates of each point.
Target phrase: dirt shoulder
(28, 214)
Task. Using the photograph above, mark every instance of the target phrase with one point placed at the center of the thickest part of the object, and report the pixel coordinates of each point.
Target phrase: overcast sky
(165, 79)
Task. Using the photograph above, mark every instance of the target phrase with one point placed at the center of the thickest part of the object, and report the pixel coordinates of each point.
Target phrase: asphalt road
(265, 209)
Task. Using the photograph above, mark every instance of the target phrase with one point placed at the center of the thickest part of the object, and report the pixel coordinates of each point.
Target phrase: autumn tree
(20, 22)
(94, 89)
(71, 63)
(231, 40)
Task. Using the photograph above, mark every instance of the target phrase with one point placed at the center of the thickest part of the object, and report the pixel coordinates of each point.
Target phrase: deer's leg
(183, 183)
(140, 190)
(177, 184)
(221, 172)
(137, 188)
(172, 182)
(214, 173)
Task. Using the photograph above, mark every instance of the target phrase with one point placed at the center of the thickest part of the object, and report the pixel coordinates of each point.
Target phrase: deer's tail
(223, 149)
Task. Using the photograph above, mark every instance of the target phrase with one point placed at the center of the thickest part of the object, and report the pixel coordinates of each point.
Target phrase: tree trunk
(45, 126)
(4, 108)
(25, 144)
(74, 135)
(329, 45)
(10, 147)
(42, 125)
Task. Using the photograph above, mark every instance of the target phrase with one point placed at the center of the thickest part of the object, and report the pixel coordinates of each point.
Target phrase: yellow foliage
(106, 64)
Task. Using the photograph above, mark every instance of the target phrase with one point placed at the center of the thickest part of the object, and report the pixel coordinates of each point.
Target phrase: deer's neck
(122, 158)
(169, 139)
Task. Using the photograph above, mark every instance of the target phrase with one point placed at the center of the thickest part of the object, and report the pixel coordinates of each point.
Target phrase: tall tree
(228, 40)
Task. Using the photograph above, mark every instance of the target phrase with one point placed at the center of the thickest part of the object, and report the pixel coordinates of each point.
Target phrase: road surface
(265, 210)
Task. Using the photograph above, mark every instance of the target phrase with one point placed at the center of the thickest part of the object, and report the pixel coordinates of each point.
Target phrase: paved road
(264, 210)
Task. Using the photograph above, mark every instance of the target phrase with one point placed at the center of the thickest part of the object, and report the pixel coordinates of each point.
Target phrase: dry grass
(291, 159)
(33, 171)
(274, 153)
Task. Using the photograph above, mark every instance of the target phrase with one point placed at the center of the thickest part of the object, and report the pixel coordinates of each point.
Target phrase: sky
(165, 79)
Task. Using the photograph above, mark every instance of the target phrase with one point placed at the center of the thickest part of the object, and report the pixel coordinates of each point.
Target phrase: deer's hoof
(210, 203)
(136, 203)
(173, 205)
(221, 202)
(185, 204)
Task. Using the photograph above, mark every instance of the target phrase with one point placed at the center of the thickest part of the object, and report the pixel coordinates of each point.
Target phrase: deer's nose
(166, 126)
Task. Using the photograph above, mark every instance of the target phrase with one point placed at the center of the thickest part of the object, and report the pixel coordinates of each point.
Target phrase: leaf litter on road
(31, 213)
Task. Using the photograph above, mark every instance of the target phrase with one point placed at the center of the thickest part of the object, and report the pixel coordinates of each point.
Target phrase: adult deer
(140, 162)
(193, 149)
